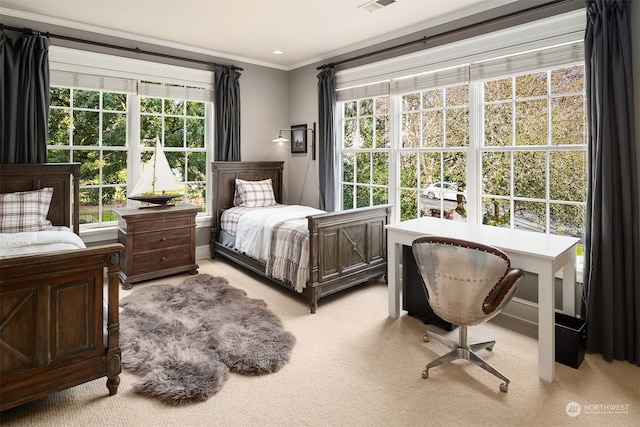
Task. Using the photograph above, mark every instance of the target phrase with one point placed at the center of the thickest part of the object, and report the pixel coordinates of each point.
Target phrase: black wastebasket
(571, 340)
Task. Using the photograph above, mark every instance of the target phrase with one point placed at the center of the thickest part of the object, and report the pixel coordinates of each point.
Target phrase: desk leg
(569, 287)
(394, 253)
(546, 324)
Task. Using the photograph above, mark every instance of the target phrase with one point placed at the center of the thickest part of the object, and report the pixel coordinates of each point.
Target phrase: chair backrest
(460, 276)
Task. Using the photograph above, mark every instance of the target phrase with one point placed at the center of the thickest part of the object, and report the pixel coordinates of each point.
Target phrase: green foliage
(90, 127)
(530, 187)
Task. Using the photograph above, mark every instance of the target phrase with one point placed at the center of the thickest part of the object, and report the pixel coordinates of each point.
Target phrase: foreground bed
(346, 248)
(58, 320)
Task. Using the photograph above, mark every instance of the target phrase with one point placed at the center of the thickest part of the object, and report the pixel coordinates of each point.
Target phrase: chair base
(467, 352)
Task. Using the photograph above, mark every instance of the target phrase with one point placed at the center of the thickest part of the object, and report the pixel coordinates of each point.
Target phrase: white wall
(303, 183)
(264, 104)
(272, 100)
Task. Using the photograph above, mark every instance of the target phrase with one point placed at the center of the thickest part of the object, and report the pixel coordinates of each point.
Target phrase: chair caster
(425, 338)
(504, 387)
(425, 374)
(490, 348)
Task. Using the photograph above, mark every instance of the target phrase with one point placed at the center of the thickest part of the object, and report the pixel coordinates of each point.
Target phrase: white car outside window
(439, 190)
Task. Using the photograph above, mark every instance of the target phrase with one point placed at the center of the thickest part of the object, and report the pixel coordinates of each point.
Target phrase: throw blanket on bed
(264, 234)
(289, 254)
(35, 242)
(254, 228)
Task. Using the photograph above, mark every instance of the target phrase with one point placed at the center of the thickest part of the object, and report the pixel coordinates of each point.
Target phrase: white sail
(157, 178)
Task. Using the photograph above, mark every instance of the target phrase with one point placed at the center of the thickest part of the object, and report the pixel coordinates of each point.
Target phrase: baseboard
(524, 310)
(203, 252)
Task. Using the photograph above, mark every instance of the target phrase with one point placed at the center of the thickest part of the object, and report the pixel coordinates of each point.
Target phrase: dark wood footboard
(54, 328)
(58, 319)
(345, 249)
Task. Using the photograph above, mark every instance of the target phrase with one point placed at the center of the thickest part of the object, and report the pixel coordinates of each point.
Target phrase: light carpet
(352, 365)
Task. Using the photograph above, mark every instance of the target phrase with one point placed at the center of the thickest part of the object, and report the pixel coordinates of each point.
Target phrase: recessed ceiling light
(277, 51)
(376, 4)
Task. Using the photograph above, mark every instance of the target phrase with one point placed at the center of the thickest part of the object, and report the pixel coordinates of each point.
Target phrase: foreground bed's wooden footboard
(345, 249)
(54, 330)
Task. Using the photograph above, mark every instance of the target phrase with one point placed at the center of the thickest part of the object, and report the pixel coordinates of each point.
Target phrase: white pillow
(25, 211)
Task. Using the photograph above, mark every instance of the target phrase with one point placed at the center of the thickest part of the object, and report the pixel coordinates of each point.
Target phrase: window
(534, 158)
(496, 135)
(90, 127)
(180, 125)
(108, 122)
(365, 153)
(532, 171)
(432, 166)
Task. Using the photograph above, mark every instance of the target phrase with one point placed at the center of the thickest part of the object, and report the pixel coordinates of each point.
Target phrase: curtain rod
(113, 46)
(445, 33)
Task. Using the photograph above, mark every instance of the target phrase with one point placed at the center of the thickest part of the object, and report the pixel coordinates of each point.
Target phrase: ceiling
(307, 31)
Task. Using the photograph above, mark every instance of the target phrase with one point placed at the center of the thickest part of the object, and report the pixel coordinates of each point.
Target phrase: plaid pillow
(25, 211)
(254, 194)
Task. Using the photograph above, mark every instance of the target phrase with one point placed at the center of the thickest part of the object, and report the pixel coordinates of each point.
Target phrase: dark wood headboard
(224, 176)
(64, 178)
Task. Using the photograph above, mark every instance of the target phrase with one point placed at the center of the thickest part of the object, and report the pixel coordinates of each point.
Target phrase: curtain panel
(227, 114)
(327, 138)
(24, 98)
(612, 238)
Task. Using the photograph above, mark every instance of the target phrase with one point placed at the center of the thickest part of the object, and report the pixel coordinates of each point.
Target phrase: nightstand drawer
(158, 240)
(161, 259)
(162, 224)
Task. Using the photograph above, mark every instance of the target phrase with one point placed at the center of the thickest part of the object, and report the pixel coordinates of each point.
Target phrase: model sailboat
(157, 185)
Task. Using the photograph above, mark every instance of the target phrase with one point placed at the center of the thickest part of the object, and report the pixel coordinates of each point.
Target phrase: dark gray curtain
(24, 98)
(327, 138)
(612, 252)
(227, 114)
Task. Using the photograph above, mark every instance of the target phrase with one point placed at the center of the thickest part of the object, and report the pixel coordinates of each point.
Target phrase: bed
(58, 316)
(345, 248)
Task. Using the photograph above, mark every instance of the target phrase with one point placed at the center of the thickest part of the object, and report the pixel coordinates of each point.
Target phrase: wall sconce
(300, 147)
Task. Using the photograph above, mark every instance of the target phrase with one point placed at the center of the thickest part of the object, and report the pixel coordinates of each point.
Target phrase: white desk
(538, 253)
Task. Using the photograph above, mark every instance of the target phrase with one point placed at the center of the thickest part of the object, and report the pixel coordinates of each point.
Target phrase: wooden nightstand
(158, 241)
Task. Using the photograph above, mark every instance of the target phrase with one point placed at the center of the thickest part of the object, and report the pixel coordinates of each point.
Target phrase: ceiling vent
(376, 4)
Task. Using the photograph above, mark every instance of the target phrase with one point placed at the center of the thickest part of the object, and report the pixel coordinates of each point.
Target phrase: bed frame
(54, 333)
(346, 248)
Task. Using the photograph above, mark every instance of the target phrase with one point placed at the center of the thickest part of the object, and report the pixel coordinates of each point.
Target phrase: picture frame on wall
(299, 138)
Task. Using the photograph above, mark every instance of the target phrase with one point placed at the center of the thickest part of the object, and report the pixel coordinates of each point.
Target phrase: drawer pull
(163, 239)
(164, 258)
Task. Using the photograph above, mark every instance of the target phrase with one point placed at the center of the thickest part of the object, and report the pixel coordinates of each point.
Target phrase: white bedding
(36, 242)
(254, 228)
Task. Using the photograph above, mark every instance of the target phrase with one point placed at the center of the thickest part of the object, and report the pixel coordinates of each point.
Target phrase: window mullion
(474, 153)
(394, 153)
(100, 148)
(548, 158)
(134, 166)
(512, 182)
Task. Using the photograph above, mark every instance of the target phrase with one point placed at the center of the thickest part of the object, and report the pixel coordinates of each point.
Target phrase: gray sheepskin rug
(184, 340)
